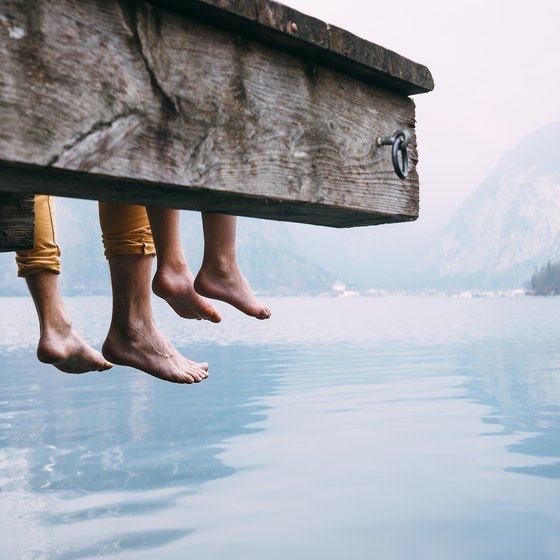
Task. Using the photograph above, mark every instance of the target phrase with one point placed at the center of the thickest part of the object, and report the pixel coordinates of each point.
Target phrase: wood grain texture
(17, 216)
(62, 182)
(180, 113)
(286, 28)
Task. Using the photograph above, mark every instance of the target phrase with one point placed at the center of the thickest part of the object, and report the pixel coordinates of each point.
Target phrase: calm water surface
(351, 428)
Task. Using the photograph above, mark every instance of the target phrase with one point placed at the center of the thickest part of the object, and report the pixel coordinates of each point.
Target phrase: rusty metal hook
(399, 141)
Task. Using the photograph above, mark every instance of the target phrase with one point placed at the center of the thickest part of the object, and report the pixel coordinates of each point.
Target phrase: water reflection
(521, 382)
(362, 429)
(102, 435)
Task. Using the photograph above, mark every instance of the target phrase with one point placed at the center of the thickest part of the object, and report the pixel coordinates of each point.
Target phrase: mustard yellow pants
(125, 230)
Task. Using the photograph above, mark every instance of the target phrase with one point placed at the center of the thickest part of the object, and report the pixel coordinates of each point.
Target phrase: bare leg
(219, 276)
(59, 344)
(173, 280)
(133, 339)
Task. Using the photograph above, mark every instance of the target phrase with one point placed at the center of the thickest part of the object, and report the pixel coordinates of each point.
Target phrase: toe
(264, 313)
(105, 366)
(211, 315)
(215, 318)
(197, 376)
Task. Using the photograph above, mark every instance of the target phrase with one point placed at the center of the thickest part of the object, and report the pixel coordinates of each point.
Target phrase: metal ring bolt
(399, 141)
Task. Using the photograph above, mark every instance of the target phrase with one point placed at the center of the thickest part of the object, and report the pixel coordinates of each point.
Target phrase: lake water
(343, 428)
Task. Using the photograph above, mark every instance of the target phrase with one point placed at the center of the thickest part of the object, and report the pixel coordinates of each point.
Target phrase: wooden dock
(244, 107)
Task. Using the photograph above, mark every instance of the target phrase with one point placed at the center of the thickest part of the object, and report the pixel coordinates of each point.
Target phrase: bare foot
(176, 288)
(229, 285)
(67, 351)
(145, 348)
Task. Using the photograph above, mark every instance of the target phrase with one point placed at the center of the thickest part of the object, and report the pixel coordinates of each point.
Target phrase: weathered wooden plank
(376, 64)
(309, 37)
(63, 182)
(17, 216)
(216, 121)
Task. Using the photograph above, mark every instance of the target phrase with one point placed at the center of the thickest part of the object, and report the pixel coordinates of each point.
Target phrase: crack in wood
(97, 144)
(200, 159)
(146, 34)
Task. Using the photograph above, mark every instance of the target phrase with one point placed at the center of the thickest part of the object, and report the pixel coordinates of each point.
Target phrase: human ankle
(129, 326)
(221, 267)
(172, 265)
(56, 327)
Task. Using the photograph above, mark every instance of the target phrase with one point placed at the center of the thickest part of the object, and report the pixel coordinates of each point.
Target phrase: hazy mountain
(511, 224)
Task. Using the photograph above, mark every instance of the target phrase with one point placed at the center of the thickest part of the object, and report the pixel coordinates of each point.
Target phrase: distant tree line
(546, 280)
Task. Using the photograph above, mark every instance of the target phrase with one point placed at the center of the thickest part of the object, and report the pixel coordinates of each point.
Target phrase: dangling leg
(134, 339)
(173, 280)
(219, 276)
(59, 344)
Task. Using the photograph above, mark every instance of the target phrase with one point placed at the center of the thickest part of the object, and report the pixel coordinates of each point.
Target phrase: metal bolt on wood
(399, 141)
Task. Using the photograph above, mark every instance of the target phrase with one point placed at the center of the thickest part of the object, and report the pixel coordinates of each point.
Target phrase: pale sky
(496, 65)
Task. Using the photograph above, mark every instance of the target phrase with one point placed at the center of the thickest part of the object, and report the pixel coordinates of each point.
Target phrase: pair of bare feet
(142, 346)
(134, 339)
(187, 295)
(146, 349)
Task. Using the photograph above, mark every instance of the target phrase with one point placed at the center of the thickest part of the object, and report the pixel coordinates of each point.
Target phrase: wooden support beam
(123, 100)
(17, 216)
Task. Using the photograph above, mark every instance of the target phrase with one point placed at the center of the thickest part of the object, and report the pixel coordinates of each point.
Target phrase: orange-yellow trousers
(125, 231)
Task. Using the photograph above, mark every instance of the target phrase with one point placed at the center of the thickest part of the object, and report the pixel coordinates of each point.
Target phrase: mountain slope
(511, 224)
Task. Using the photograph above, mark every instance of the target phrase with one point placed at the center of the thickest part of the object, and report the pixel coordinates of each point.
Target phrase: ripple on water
(340, 428)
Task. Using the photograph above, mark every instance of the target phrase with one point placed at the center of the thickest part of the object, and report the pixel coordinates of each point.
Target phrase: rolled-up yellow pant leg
(125, 230)
(45, 254)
